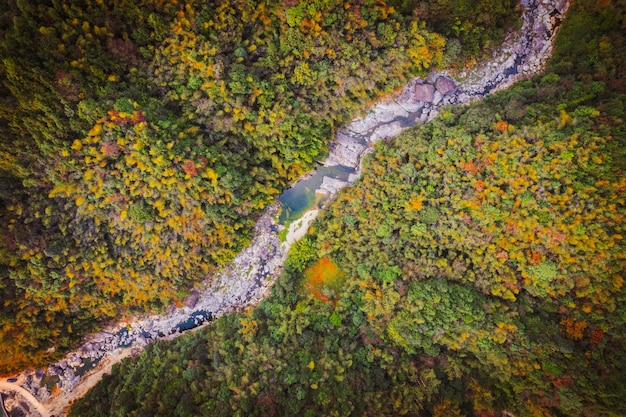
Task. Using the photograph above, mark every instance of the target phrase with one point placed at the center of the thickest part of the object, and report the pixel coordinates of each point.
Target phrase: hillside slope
(477, 268)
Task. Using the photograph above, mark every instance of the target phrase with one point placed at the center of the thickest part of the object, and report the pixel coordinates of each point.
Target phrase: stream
(248, 278)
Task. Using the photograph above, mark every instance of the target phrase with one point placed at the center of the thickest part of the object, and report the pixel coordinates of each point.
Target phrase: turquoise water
(299, 198)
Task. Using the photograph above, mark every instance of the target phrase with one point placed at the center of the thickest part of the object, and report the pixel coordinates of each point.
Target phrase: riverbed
(248, 278)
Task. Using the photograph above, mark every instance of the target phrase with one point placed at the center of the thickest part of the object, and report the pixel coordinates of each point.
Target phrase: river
(248, 278)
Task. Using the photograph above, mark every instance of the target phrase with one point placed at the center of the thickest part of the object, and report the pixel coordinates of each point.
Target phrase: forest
(475, 269)
(139, 140)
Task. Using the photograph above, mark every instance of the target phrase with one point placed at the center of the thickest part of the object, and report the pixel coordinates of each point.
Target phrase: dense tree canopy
(140, 139)
(476, 268)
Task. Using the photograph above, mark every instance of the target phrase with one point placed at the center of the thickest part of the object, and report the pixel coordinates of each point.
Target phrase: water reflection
(299, 198)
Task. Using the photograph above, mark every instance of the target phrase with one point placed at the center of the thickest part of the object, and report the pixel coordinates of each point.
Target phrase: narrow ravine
(248, 278)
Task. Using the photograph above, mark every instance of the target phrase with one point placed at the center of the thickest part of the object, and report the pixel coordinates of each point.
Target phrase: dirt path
(59, 405)
(6, 386)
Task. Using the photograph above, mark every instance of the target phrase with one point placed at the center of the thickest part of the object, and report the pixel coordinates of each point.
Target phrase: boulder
(345, 150)
(362, 126)
(388, 130)
(411, 106)
(445, 85)
(424, 92)
(406, 94)
(192, 300)
(387, 111)
(332, 185)
(437, 98)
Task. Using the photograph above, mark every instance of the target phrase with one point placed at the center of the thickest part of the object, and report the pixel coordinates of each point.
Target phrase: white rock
(345, 150)
(388, 111)
(386, 131)
(332, 185)
(437, 97)
(411, 107)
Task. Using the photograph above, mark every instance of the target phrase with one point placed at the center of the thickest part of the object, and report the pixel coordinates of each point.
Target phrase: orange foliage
(574, 328)
(190, 168)
(446, 409)
(501, 126)
(324, 274)
(416, 203)
(534, 258)
(469, 167)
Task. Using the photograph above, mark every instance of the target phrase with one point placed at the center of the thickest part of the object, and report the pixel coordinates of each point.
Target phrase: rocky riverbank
(244, 282)
(523, 54)
(247, 280)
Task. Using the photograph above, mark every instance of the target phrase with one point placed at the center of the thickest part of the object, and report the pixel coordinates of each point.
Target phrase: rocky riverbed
(248, 278)
(244, 282)
(523, 54)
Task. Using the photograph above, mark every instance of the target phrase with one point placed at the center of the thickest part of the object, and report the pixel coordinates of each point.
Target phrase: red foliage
(203, 162)
(564, 381)
(111, 148)
(574, 328)
(479, 185)
(556, 237)
(190, 168)
(511, 227)
(122, 49)
(66, 86)
(596, 335)
(138, 117)
(268, 401)
(114, 116)
(548, 401)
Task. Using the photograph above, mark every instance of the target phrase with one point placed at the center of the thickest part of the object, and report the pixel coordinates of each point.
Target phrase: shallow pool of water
(301, 196)
(197, 318)
(87, 365)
